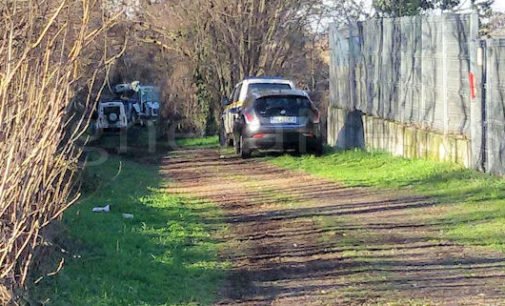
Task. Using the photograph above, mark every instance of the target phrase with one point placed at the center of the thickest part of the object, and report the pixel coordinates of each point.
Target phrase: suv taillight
(252, 121)
(249, 118)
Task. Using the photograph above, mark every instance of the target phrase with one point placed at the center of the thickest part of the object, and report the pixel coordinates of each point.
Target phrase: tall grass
(44, 49)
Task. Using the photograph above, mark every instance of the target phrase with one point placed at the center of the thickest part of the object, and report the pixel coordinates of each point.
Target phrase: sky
(499, 5)
(321, 25)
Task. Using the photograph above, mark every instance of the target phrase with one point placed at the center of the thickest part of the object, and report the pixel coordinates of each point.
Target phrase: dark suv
(277, 120)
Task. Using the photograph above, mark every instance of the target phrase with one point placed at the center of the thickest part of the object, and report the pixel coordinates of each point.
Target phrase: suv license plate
(277, 120)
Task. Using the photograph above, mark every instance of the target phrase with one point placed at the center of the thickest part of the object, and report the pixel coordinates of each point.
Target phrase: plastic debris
(128, 216)
(102, 209)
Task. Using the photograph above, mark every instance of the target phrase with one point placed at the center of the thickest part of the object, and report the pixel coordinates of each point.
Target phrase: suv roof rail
(264, 77)
(275, 92)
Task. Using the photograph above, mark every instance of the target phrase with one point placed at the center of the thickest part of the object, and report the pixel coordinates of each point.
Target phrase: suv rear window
(282, 106)
(268, 86)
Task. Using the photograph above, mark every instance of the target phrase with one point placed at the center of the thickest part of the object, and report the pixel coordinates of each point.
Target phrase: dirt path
(297, 239)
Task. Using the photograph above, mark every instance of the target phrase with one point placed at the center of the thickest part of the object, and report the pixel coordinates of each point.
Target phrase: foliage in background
(217, 43)
(196, 51)
(496, 28)
(203, 97)
(399, 8)
(483, 7)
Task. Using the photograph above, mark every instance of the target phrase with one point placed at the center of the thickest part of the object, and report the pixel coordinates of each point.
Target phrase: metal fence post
(477, 109)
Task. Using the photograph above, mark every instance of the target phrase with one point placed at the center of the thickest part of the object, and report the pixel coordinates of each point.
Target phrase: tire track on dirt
(298, 239)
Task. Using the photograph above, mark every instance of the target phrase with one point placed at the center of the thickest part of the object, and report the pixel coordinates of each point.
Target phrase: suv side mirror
(225, 101)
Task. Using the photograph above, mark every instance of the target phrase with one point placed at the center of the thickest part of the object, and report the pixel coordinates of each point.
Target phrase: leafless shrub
(46, 49)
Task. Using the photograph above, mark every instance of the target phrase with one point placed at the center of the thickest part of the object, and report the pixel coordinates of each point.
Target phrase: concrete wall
(394, 137)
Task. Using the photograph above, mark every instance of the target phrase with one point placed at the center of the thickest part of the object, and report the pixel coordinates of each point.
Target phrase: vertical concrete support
(399, 140)
(450, 149)
(494, 126)
(434, 145)
(477, 111)
(463, 149)
(422, 143)
(410, 142)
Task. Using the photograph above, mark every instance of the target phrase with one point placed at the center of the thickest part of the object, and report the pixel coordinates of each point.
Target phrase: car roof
(277, 93)
(268, 80)
(264, 77)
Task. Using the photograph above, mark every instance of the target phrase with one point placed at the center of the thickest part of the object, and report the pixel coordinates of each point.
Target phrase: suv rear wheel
(245, 152)
(241, 147)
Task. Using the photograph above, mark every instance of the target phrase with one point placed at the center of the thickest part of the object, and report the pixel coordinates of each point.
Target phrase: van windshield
(283, 106)
(150, 94)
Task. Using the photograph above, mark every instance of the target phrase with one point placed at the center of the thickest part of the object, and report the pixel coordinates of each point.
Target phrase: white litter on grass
(102, 209)
(128, 216)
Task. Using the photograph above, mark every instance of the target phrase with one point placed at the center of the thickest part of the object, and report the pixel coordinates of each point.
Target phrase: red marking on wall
(473, 94)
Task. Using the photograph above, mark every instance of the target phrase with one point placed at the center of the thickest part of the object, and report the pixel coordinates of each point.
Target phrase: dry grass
(42, 47)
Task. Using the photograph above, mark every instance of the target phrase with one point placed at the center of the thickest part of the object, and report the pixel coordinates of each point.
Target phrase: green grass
(165, 255)
(476, 201)
(207, 142)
